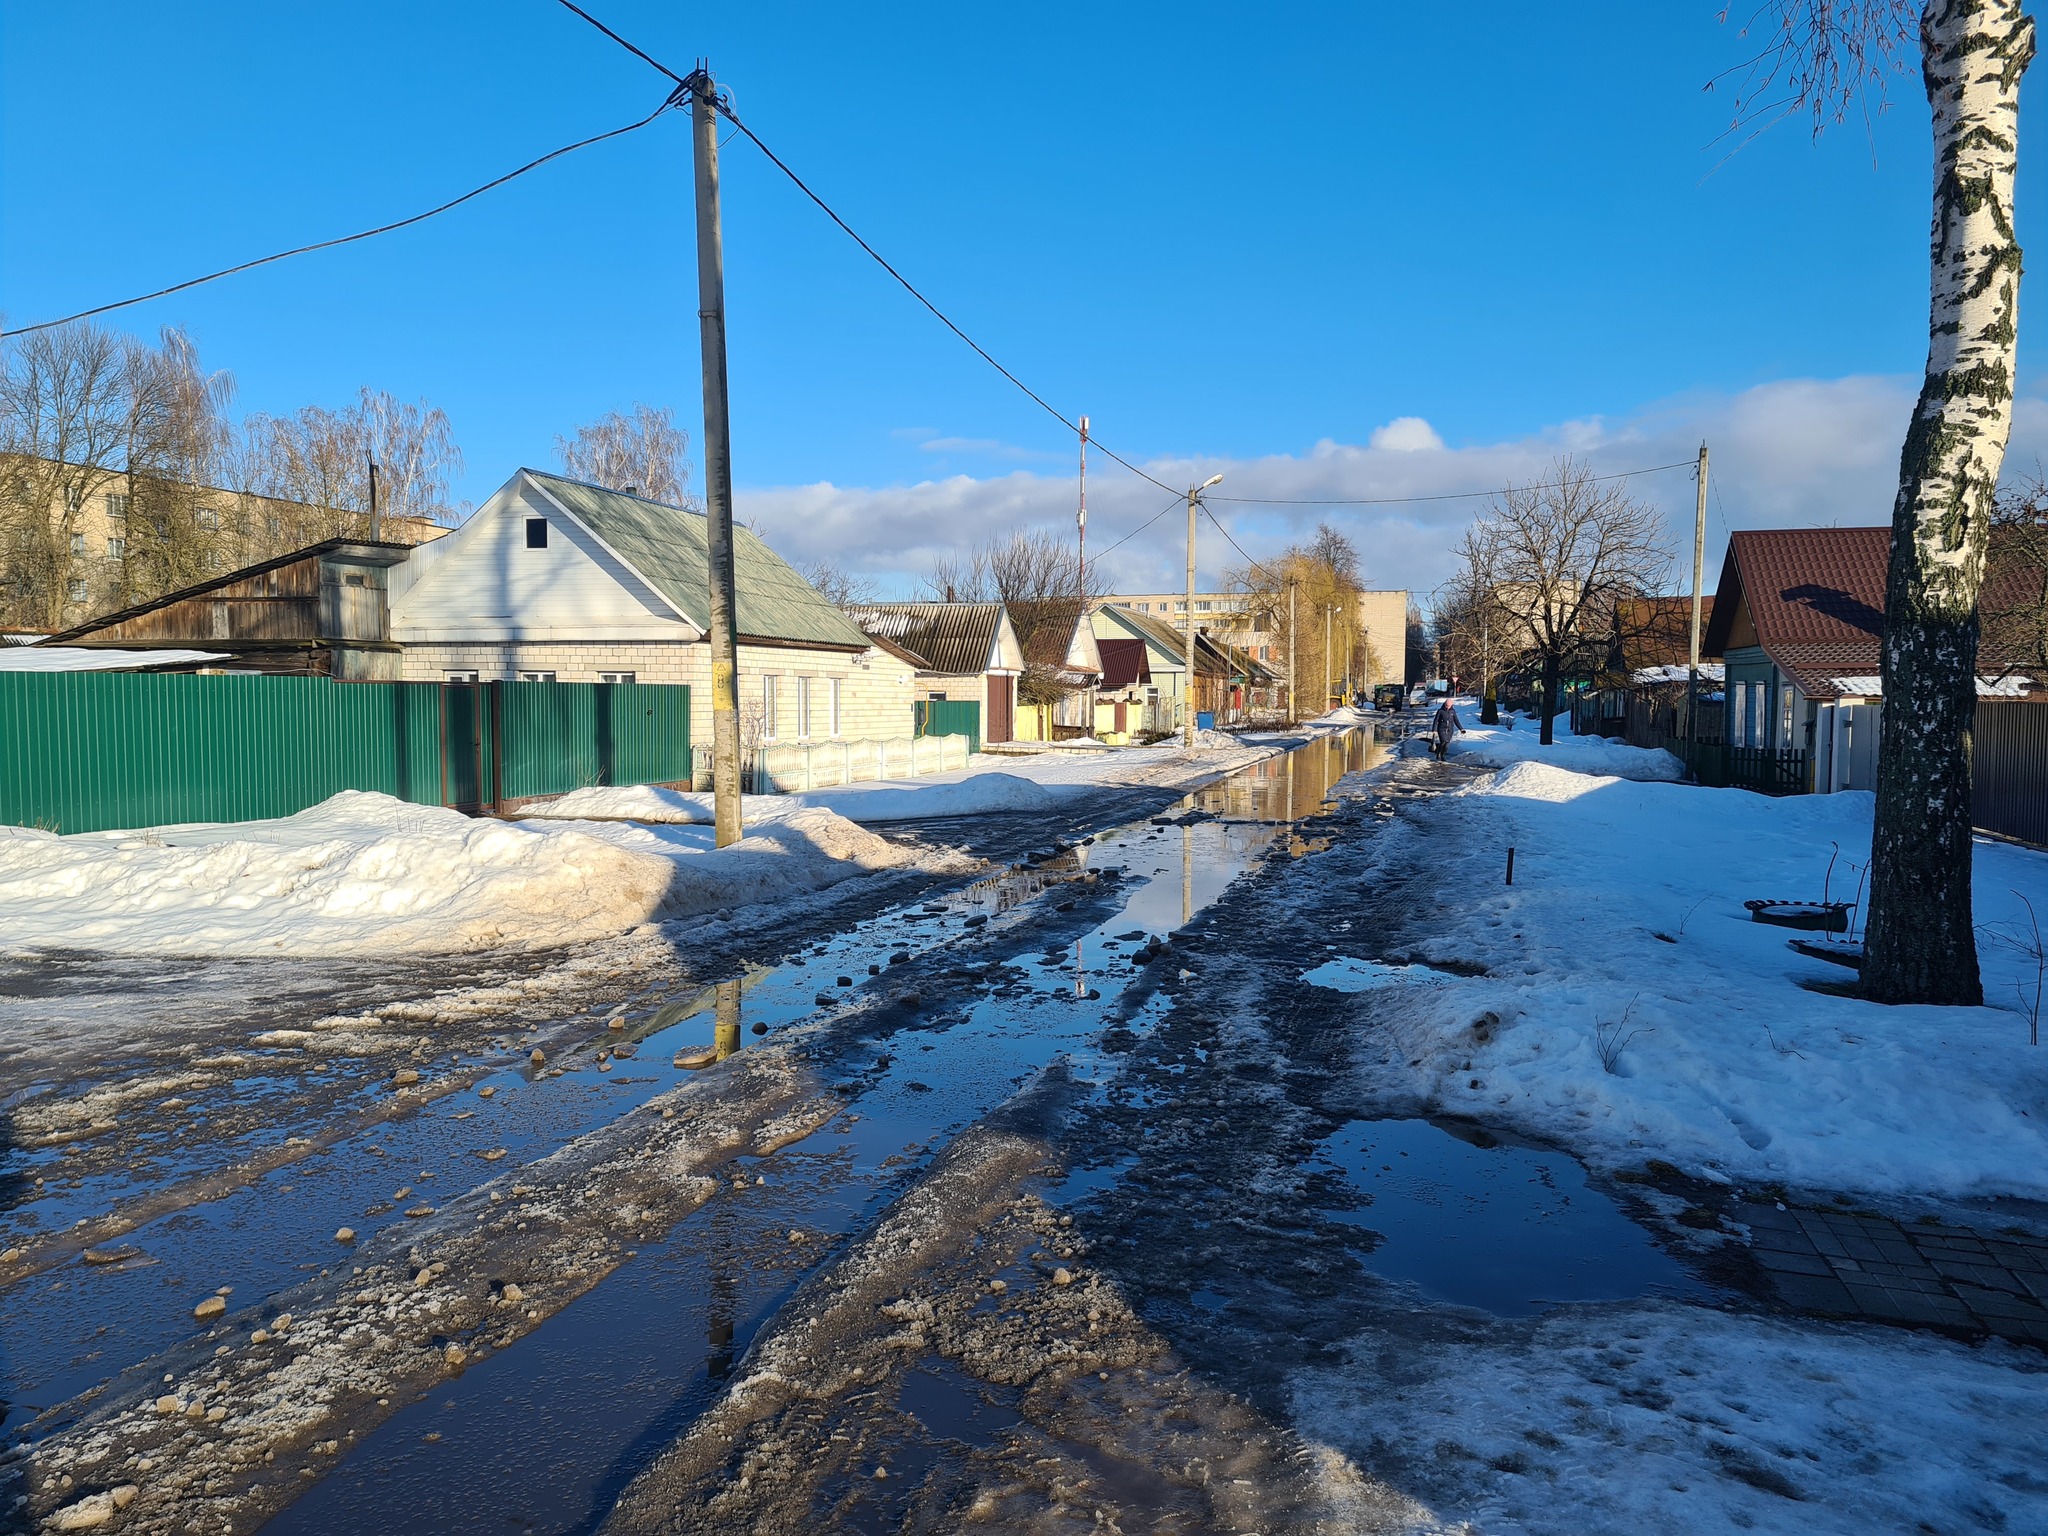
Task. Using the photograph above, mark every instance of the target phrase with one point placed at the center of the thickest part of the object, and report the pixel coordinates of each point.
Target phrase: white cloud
(1406, 434)
(1785, 454)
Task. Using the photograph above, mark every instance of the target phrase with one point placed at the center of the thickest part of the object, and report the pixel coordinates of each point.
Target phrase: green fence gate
(950, 717)
(86, 751)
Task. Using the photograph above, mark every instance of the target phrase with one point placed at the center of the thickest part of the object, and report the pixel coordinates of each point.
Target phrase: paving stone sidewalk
(1848, 1264)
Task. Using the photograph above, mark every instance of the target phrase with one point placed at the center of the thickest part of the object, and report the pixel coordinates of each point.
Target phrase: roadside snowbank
(1666, 1418)
(883, 800)
(1344, 715)
(364, 873)
(1634, 1010)
(1499, 747)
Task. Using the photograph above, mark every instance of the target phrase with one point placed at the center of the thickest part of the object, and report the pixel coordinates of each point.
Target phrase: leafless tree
(644, 453)
(181, 526)
(1823, 56)
(2015, 601)
(64, 417)
(315, 463)
(1552, 560)
(839, 586)
(1038, 578)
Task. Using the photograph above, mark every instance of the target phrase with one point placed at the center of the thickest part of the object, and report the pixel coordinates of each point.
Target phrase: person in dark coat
(1443, 727)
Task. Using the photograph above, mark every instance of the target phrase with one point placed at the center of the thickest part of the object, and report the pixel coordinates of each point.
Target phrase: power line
(1225, 532)
(725, 110)
(322, 245)
(1178, 499)
(1389, 501)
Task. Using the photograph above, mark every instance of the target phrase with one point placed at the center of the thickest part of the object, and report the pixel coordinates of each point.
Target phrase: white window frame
(803, 709)
(536, 675)
(74, 592)
(117, 505)
(78, 546)
(459, 675)
(616, 677)
(209, 518)
(832, 703)
(770, 725)
(117, 547)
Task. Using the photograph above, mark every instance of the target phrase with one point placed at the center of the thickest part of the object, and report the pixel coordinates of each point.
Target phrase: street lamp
(1188, 722)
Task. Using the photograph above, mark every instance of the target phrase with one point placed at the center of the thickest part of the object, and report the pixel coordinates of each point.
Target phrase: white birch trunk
(1921, 944)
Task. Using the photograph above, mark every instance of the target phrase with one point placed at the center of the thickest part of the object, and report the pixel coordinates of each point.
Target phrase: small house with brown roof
(961, 651)
(1799, 621)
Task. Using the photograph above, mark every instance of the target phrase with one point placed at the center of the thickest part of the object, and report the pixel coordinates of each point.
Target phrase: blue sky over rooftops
(1229, 234)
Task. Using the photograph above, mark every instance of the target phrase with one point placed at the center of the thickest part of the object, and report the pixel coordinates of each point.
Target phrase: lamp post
(1188, 723)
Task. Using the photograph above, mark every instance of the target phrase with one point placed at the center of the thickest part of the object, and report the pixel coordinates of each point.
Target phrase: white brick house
(553, 579)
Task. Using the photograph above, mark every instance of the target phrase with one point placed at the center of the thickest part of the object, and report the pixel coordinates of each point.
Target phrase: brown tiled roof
(1123, 663)
(1816, 597)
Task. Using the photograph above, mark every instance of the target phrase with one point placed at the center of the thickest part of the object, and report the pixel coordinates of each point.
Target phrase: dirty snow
(883, 800)
(1638, 1011)
(365, 873)
(1655, 1417)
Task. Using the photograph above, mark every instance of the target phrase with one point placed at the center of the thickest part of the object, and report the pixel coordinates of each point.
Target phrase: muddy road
(1009, 1193)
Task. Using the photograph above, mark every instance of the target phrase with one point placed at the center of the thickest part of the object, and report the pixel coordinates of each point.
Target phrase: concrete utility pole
(1081, 519)
(1194, 500)
(1328, 609)
(1291, 715)
(725, 661)
(1699, 560)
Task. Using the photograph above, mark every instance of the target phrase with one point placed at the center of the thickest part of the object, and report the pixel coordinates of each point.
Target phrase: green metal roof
(667, 546)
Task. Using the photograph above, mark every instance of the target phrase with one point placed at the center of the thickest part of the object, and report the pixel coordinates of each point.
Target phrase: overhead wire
(1388, 501)
(323, 245)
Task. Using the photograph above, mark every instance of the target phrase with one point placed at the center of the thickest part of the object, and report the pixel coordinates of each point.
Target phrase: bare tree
(1552, 560)
(315, 464)
(1823, 55)
(181, 528)
(1038, 578)
(644, 454)
(2015, 600)
(839, 586)
(64, 419)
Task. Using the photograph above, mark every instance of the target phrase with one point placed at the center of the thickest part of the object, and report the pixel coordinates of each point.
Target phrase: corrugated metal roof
(1123, 663)
(668, 547)
(955, 639)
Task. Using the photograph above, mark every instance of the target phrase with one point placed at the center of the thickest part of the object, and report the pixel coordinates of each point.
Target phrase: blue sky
(1230, 234)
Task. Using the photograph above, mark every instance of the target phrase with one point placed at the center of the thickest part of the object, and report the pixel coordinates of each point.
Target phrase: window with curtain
(803, 709)
(768, 721)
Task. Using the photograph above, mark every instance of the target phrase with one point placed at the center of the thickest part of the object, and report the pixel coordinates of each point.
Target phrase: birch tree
(644, 454)
(1824, 54)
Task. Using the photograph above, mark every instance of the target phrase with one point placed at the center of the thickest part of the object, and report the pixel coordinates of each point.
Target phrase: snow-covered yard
(1499, 746)
(364, 873)
(1632, 1010)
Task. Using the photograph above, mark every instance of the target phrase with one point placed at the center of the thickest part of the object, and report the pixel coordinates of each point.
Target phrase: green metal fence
(950, 717)
(81, 752)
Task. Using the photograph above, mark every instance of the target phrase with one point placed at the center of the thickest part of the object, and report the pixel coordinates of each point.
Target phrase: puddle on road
(558, 1426)
(1479, 1220)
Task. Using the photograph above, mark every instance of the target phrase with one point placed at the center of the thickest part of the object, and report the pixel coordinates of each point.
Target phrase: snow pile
(80, 658)
(882, 800)
(1666, 1418)
(1636, 1011)
(364, 873)
(1498, 747)
(1082, 741)
(1343, 715)
(1710, 671)
(1211, 741)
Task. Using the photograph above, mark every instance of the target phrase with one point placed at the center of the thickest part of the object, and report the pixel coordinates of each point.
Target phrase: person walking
(1444, 727)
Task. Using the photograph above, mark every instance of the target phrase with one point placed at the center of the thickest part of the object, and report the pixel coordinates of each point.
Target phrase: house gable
(484, 582)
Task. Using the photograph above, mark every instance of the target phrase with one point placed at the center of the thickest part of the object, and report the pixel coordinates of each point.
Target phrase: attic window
(536, 533)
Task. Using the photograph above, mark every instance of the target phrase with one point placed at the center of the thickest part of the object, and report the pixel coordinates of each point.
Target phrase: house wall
(483, 583)
(875, 696)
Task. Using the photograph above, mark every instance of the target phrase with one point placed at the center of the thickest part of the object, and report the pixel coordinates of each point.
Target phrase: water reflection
(1294, 784)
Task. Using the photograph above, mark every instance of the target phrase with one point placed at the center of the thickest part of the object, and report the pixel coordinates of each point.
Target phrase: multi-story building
(1242, 620)
(105, 549)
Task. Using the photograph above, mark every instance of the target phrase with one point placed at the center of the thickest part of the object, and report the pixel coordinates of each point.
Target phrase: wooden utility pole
(376, 521)
(1699, 561)
(1188, 724)
(725, 697)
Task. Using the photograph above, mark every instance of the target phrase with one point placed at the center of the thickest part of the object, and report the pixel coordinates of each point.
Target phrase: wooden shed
(320, 611)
